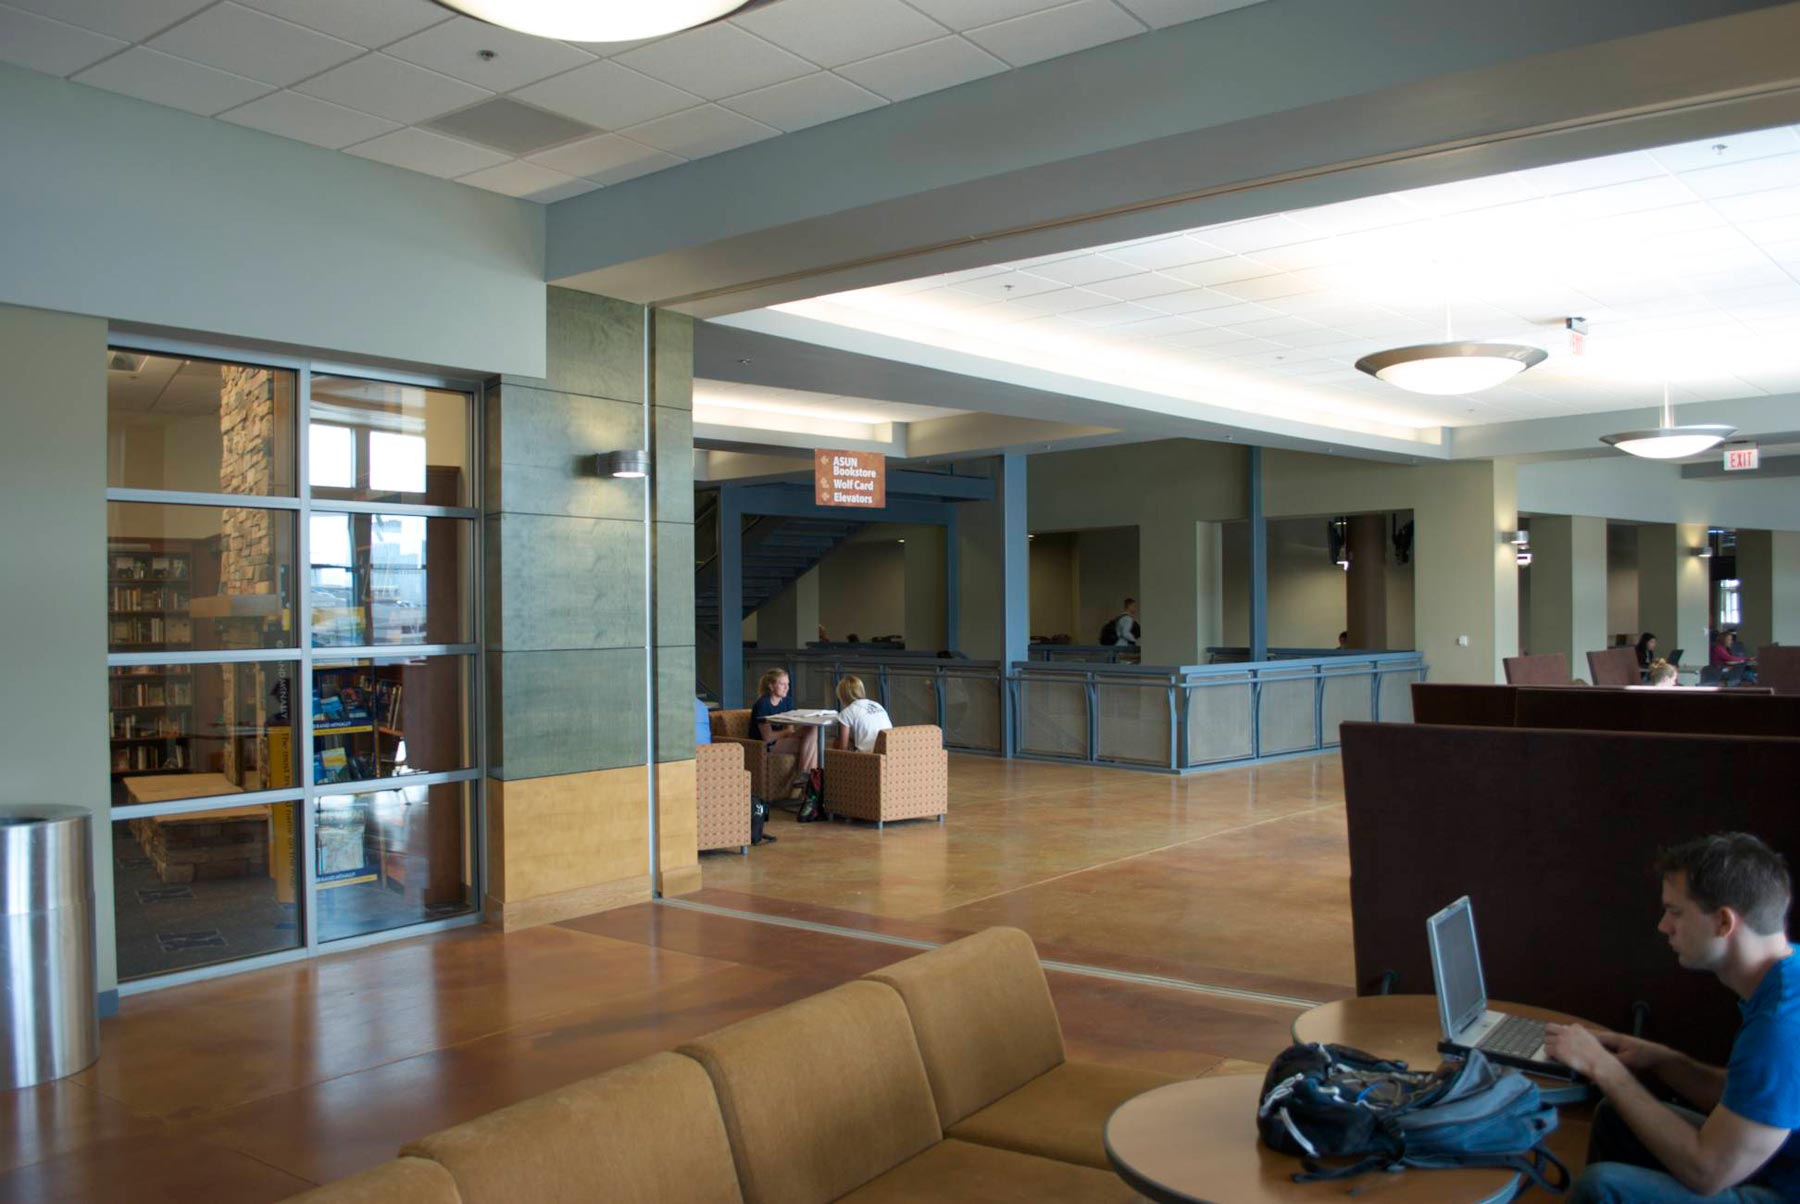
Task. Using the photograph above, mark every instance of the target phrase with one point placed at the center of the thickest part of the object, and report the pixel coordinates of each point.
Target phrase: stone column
(1768, 569)
(1673, 588)
(1568, 588)
(1181, 577)
(568, 820)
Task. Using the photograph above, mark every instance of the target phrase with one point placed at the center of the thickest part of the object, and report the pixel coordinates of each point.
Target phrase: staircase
(776, 551)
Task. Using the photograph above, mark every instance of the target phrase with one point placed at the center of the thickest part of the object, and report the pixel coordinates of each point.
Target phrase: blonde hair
(1661, 670)
(769, 679)
(850, 689)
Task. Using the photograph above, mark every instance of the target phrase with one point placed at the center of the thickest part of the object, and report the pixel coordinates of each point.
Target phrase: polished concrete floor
(253, 1087)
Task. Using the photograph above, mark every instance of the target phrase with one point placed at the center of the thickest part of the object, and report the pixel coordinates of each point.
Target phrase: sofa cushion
(983, 1015)
(648, 1131)
(1061, 1113)
(402, 1181)
(820, 1096)
(959, 1171)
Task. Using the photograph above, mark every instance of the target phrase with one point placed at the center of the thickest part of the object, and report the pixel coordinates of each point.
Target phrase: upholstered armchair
(722, 795)
(768, 771)
(906, 777)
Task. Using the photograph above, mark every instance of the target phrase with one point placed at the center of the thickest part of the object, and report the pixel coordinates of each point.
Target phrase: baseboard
(107, 1003)
(510, 915)
(682, 881)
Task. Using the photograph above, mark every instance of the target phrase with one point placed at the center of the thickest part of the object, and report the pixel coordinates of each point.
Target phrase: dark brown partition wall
(1551, 833)
(1463, 703)
(1738, 712)
(1778, 666)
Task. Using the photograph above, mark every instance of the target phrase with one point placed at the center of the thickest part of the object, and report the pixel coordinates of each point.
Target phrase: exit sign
(1741, 459)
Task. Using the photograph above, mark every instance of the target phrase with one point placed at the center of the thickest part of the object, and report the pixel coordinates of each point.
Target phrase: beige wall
(926, 612)
(1307, 601)
(53, 595)
(1768, 565)
(1621, 581)
(1672, 587)
(1567, 608)
(1107, 571)
(862, 586)
(1054, 595)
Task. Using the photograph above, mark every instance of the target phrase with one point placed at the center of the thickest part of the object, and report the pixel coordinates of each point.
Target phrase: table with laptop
(1198, 1140)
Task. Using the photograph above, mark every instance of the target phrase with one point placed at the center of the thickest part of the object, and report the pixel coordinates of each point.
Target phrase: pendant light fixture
(595, 20)
(1668, 441)
(1452, 366)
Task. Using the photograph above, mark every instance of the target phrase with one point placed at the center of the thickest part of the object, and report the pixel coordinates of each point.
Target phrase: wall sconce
(1701, 553)
(627, 465)
(1517, 538)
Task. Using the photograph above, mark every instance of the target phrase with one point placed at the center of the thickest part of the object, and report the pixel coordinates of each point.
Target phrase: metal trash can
(48, 1019)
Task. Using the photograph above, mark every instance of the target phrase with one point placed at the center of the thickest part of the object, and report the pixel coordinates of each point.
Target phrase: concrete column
(1768, 569)
(994, 567)
(568, 796)
(1568, 588)
(1365, 585)
(1672, 588)
(925, 609)
(1181, 606)
(1466, 581)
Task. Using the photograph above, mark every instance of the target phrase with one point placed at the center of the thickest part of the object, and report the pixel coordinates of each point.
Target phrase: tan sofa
(942, 1077)
(907, 776)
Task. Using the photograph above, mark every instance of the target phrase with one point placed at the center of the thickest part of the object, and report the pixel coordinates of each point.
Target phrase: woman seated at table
(1661, 674)
(783, 740)
(862, 718)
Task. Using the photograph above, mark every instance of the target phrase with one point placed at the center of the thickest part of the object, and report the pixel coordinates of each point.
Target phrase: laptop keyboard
(1515, 1036)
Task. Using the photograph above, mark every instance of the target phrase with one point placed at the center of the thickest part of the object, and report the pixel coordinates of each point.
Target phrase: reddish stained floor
(254, 1087)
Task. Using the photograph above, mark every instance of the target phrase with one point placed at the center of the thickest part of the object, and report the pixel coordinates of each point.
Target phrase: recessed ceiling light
(595, 20)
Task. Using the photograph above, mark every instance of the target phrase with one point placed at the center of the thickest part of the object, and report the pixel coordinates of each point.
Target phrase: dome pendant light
(595, 20)
(1668, 441)
(1451, 367)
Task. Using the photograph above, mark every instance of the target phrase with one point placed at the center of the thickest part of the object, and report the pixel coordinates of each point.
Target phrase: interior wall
(53, 642)
(1621, 582)
(142, 213)
(862, 585)
(1054, 594)
(1306, 587)
(1107, 566)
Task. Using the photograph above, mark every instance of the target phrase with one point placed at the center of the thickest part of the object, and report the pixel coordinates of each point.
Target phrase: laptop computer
(1462, 1000)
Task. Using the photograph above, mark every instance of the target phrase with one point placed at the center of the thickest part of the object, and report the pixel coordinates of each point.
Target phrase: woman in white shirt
(862, 718)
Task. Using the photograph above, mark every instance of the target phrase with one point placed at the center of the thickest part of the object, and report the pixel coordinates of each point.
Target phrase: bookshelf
(148, 596)
(152, 709)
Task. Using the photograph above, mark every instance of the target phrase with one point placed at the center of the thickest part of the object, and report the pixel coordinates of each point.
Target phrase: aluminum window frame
(304, 655)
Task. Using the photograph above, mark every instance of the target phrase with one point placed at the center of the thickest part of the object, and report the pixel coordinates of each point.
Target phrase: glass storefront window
(198, 426)
(388, 718)
(198, 577)
(377, 441)
(389, 579)
(205, 886)
(193, 731)
(389, 858)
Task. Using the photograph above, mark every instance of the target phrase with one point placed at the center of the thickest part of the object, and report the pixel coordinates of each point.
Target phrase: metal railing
(1104, 654)
(1171, 719)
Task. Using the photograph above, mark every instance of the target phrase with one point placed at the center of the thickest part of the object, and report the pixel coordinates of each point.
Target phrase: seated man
(1725, 905)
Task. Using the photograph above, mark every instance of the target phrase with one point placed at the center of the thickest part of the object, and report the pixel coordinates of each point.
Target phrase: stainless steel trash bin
(48, 1020)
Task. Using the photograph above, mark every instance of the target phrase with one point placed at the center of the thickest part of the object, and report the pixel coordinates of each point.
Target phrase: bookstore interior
(292, 668)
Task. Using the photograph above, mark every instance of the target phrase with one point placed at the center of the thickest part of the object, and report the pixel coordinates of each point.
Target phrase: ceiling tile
(296, 115)
(834, 32)
(1061, 301)
(810, 100)
(695, 133)
(1113, 315)
(1730, 148)
(1158, 328)
(1364, 213)
(1007, 285)
(433, 154)
(1056, 31)
(1624, 198)
(1140, 286)
(529, 181)
(1163, 13)
(968, 14)
(1221, 271)
(608, 159)
(1752, 175)
(1267, 288)
(928, 67)
(1085, 269)
(52, 47)
(1257, 233)
(607, 95)
(166, 80)
(1193, 301)
(360, 21)
(1164, 253)
(715, 61)
(133, 20)
(1592, 173)
(254, 45)
(455, 48)
(1460, 196)
(393, 89)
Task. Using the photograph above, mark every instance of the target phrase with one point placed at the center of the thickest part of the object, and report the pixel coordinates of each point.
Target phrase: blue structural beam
(796, 501)
(731, 596)
(1015, 569)
(1259, 562)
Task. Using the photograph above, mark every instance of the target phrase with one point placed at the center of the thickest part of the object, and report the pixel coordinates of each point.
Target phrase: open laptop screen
(1456, 964)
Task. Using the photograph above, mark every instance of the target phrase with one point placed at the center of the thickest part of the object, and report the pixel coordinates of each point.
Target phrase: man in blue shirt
(1725, 904)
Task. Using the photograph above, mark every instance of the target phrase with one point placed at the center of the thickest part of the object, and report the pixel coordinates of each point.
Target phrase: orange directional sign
(847, 478)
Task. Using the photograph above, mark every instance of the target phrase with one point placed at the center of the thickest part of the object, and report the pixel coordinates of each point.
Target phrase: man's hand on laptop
(1587, 1052)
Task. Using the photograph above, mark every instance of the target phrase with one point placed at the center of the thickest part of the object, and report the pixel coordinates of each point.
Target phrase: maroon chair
(1615, 667)
(1544, 669)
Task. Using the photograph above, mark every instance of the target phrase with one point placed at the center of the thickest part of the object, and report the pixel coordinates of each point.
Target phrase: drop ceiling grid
(354, 75)
(1682, 259)
(843, 407)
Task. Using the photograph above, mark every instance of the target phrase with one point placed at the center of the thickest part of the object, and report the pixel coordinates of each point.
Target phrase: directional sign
(847, 478)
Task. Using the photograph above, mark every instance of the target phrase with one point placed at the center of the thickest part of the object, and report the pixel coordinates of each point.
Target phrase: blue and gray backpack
(1331, 1101)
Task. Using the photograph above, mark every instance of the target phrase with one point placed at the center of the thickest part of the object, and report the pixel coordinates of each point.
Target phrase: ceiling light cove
(595, 20)
(1451, 369)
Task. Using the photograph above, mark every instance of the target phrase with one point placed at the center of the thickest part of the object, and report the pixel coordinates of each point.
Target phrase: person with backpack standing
(1725, 908)
(1123, 628)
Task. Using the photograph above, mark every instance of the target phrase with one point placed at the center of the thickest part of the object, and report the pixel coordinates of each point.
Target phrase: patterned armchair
(765, 768)
(906, 777)
(722, 793)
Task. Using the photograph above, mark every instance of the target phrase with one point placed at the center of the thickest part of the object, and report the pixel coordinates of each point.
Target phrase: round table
(1397, 1026)
(1196, 1141)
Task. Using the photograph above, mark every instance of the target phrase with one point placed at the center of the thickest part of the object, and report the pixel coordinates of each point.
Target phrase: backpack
(1109, 634)
(1323, 1101)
